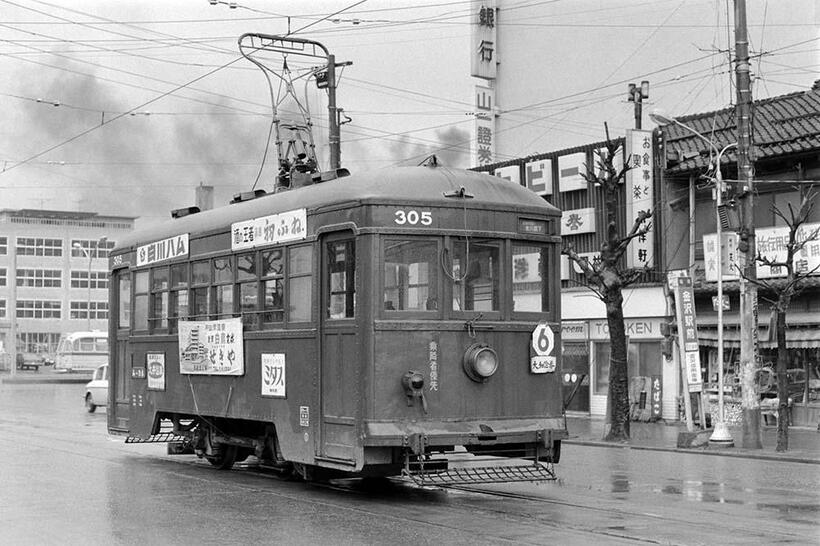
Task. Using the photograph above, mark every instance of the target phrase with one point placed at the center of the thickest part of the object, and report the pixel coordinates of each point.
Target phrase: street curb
(704, 451)
(43, 380)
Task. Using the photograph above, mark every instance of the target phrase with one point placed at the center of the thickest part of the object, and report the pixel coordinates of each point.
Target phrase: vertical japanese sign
(483, 40)
(211, 347)
(273, 375)
(484, 151)
(729, 264)
(640, 195)
(657, 397)
(688, 333)
(538, 176)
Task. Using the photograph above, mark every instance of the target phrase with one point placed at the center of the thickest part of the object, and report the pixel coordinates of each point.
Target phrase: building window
(643, 360)
(39, 342)
(95, 249)
(80, 310)
(2, 308)
(39, 278)
(39, 246)
(38, 309)
(99, 279)
(2, 276)
(4, 246)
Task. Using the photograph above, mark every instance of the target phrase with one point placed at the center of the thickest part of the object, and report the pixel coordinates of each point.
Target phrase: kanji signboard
(211, 347)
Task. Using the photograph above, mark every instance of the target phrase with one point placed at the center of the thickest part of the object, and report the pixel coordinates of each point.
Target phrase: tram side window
(141, 296)
(530, 262)
(300, 278)
(341, 279)
(272, 274)
(223, 289)
(159, 296)
(178, 295)
(409, 275)
(475, 270)
(124, 300)
(200, 290)
(246, 278)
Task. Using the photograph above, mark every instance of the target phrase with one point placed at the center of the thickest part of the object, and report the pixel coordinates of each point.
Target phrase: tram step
(483, 474)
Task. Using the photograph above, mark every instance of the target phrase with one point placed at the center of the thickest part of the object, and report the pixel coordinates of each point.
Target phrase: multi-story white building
(53, 274)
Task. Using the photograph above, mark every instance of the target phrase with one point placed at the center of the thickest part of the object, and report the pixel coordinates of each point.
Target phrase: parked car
(96, 390)
(30, 361)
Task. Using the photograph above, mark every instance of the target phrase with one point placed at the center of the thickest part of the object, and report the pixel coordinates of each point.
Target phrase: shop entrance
(575, 376)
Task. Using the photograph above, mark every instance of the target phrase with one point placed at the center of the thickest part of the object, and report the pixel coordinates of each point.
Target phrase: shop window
(643, 360)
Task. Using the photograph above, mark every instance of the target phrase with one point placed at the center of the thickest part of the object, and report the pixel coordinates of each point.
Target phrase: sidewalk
(804, 442)
(46, 374)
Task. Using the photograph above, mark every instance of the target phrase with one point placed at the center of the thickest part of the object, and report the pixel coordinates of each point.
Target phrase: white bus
(82, 351)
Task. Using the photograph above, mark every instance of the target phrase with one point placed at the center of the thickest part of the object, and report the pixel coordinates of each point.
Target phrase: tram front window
(475, 275)
(530, 290)
(410, 275)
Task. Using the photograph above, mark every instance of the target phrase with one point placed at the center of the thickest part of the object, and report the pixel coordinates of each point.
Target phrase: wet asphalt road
(63, 480)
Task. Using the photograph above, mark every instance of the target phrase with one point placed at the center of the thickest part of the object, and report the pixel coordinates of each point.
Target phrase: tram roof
(423, 184)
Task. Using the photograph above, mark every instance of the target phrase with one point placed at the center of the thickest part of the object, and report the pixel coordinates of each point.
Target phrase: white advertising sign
(728, 258)
(159, 251)
(511, 173)
(771, 243)
(273, 374)
(570, 168)
(640, 195)
(155, 364)
(211, 347)
(578, 221)
(538, 176)
(269, 230)
(543, 343)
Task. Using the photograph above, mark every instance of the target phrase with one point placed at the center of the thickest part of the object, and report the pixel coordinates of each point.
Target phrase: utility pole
(750, 404)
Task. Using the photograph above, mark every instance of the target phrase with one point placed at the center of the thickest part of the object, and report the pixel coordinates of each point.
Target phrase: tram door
(118, 344)
(339, 351)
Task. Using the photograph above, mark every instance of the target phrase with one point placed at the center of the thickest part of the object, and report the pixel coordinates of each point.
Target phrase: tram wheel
(225, 458)
(90, 406)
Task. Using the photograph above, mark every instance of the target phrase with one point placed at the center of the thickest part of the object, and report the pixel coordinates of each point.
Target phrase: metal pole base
(720, 436)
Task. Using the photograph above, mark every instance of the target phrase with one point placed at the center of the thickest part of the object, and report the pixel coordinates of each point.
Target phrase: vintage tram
(402, 321)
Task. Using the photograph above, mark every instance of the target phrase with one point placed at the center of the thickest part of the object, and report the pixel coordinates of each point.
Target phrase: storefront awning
(796, 338)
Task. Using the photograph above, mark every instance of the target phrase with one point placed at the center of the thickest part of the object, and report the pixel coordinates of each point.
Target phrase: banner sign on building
(640, 194)
(211, 347)
(729, 264)
(538, 176)
(570, 168)
(771, 243)
(483, 57)
(688, 333)
(484, 150)
(269, 230)
(159, 251)
(578, 221)
(511, 173)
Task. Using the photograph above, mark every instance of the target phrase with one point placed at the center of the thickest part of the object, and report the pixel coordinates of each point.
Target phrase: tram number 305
(413, 217)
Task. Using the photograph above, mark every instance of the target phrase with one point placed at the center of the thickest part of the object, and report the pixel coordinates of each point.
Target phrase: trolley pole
(750, 405)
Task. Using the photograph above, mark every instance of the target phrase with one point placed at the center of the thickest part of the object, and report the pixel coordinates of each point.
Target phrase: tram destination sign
(269, 230)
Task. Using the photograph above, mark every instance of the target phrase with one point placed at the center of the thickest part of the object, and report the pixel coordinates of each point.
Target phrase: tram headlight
(480, 362)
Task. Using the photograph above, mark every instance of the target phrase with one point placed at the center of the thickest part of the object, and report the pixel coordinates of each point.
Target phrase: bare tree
(607, 278)
(784, 290)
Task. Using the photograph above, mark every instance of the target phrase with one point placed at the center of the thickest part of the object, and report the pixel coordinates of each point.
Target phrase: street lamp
(78, 246)
(720, 434)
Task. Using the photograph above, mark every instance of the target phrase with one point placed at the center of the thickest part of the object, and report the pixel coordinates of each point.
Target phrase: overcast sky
(195, 114)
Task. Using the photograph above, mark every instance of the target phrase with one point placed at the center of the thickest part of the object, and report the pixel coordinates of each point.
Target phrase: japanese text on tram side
(269, 230)
(167, 249)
